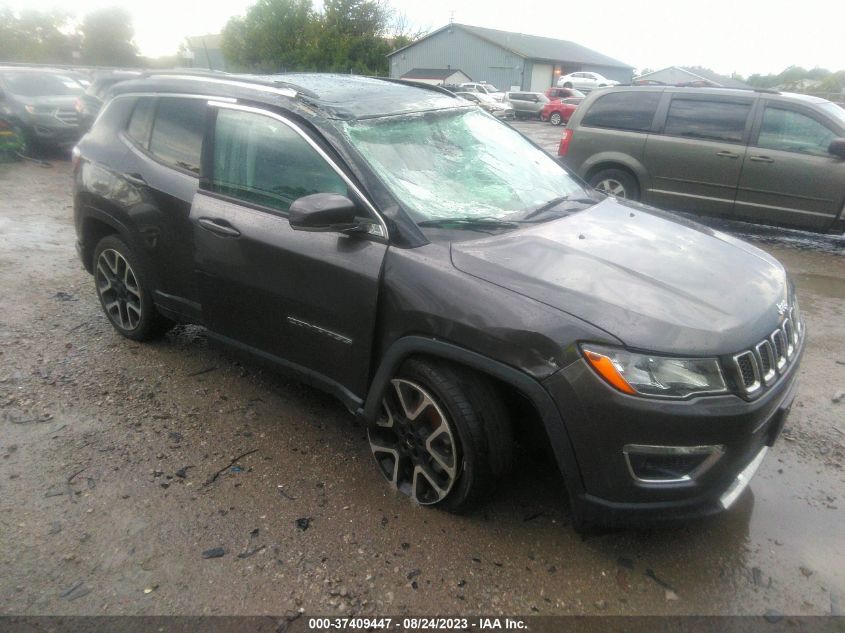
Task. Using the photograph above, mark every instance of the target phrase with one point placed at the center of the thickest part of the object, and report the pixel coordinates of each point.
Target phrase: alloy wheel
(555, 119)
(414, 444)
(118, 289)
(611, 187)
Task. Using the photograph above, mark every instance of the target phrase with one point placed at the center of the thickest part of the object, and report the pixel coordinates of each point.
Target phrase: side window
(177, 132)
(792, 131)
(629, 110)
(260, 160)
(141, 121)
(715, 120)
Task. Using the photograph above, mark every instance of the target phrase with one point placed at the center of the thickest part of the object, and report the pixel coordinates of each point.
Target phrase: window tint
(178, 131)
(628, 110)
(793, 132)
(716, 120)
(260, 160)
(141, 121)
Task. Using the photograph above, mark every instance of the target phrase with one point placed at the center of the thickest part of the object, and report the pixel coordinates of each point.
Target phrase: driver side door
(302, 300)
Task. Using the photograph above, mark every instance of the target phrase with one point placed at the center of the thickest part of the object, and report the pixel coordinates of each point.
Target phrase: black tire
(139, 321)
(479, 429)
(555, 118)
(568, 84)
(616, 182)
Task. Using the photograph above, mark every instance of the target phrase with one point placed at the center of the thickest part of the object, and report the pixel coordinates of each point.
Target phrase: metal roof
(432, 73)
(532, 46)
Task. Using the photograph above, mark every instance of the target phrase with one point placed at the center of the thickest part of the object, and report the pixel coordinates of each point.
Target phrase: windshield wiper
(471, 222)
(551, 204)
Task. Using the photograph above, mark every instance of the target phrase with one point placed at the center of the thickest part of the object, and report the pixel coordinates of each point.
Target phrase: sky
(743, 36)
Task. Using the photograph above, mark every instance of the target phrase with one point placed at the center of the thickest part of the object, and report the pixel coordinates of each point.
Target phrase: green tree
(273, 36)
(36, 37)
(107, 38)
(352, 37)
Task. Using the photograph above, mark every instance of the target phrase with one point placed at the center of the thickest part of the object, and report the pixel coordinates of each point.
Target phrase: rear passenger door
(695, 157)
(162, 168)
(301, 299)
(789, 177)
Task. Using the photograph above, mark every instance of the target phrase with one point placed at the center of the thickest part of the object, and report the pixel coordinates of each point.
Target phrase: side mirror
(837, 147)
(326, 212)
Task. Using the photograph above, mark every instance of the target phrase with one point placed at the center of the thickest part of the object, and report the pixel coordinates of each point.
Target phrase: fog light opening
(669, 464)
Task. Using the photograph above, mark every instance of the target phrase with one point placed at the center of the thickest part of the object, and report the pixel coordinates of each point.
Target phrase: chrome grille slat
(763, 364)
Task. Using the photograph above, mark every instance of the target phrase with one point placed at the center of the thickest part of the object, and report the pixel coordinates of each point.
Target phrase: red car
(558, 94)
(557, 112)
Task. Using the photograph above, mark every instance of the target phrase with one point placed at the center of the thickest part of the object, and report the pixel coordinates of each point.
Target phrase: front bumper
(601, 422)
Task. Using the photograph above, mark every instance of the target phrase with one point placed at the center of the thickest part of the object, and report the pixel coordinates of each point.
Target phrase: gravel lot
(122, 464)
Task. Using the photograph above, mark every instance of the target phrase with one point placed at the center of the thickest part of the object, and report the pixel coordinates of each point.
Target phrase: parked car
(560, 111)
(483, 88)
(448, 281)
(558, 94)
(585, 81)
(39, 105)
(89, 103)
(761, 157)
(527, 104)
(502, 109)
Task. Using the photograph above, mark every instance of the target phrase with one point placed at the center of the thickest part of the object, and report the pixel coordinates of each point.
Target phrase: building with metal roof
(507, 60)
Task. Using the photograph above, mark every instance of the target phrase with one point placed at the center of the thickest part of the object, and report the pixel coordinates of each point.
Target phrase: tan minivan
(758, 156)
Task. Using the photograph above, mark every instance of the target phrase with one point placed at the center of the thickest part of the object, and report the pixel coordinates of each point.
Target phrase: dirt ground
(122, 463)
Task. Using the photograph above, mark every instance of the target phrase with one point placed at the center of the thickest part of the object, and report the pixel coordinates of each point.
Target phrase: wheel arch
(94, 226)
(510, 377)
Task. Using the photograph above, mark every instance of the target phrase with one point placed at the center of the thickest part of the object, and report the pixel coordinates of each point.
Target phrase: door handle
(215, 226)
(762, 159)
(135, 179)
(727, 154)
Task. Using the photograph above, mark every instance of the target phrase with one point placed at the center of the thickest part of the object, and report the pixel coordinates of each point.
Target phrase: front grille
(761, 366)
(67, 115)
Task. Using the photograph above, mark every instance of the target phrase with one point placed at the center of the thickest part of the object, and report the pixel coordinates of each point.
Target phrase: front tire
(555, 118)
(568, 84)
(123, 289)
(443, 438)
(617, 183)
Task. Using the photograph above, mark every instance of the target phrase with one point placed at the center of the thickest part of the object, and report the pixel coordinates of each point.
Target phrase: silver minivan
(757, 156)
(527, 104)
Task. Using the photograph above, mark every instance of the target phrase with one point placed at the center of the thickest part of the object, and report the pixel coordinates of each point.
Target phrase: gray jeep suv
(761, 157)
(447, 280)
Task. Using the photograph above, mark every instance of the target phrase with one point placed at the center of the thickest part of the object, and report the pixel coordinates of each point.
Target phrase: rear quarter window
(141, 121)
(178, 131)
(628, 110)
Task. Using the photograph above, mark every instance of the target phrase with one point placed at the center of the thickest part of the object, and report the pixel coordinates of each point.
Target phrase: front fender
(535, 392)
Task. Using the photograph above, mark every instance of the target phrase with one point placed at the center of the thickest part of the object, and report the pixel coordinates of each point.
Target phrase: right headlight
(638, 373)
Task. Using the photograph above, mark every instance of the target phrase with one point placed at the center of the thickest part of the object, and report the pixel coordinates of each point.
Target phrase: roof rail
(258, 82)
(417, 84)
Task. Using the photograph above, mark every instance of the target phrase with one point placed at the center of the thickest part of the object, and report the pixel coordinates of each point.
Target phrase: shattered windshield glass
(458, 163)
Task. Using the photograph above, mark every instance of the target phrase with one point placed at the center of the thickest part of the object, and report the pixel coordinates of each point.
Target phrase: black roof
(335, 96)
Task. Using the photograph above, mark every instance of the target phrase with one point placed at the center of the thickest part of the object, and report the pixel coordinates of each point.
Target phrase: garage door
(541, 77)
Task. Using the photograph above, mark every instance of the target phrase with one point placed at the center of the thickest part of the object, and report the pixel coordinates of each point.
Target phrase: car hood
(653, 280)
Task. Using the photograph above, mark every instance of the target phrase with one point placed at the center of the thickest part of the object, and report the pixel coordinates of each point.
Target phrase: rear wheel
(555, 118)
(443, 437)
(568, 84)
(617, 183)
(122, 286)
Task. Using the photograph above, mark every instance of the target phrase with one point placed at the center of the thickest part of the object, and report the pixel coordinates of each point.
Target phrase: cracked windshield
(459, 164)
